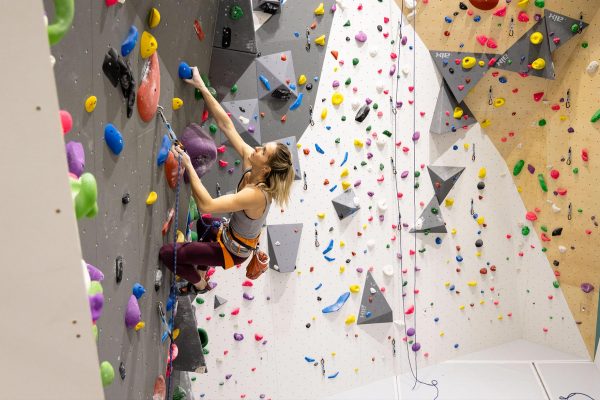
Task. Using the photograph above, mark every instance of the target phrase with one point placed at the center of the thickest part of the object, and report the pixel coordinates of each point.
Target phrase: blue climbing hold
(452, 287)
(438, 240)
(163, 152)
(330, 259)
(319, 149)
(368, 314)
(329, 247)
(185, 72)
(345, 159)
(333, 188)
(503, 79)
(293, 86)
(477, 18)
(138, 290)
(265, 82)
(308, 359)
(459, 258)
(129, 43)
(113, 138)
(333, 376)
(297, 103)
(319, 286)
(448, 20)
(337, 305)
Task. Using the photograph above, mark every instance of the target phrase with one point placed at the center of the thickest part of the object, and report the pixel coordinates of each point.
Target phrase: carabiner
(568, 102)
(569, 156)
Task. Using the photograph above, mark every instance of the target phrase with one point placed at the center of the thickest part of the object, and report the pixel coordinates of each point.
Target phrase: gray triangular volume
(431, 219)
(219, 301)
(459, 79)
(290, 142)
(232, 34)
(283, 243)
(522, 53)
(192, 358)
(232, 67)
(277, 72)
(245, 117)
(374, 308)
(443, 180)
(345, 204)
(558, 27)
(443, 120)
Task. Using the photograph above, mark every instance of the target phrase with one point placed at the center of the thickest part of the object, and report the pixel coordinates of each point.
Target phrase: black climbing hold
(319, 298)
(455, 13)
(308, 325)
(226, 40)
(308, 86)
(462, 6)
(556, 263)
(451, 70)
(242, 109)
(118, 71)
(362, 113)
(282, 93)
(125, 199)
(111, 67)
(270, 7)
(557, 232)
(347, 38)
(122, 370)
(481, 185)
(478, 243)
(119, 269)
(379, 28)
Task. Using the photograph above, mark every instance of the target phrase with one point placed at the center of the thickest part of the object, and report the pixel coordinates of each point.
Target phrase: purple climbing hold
(238, 337)
(212, 285)
(368, 101)
(75, 158)
(228, 376)
(392, 69)
(201, 148)
(359, 270)
(133, 315)
(404, 40)
(416, 347)
(96, 305)
(530, 168)
(399, 104)
(416, 136)
(361, 37)
(95, 273)
(587, 287)
(248, 296)
(404, 174)
(335, 84)
(410, 332)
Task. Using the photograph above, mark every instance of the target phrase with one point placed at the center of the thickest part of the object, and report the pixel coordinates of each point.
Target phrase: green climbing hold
(203, 336)
(375, 106)
(518, 167)
(544, 249)
(434, 210)
(236, 12)
(355, 61)
(417, 174)
(580, 210)
(575, 28)
(542, 122)
(575, 170)
(237, 162)
(544, 228)
(199, 300)
(404, 283)
(387, 133)
(337, 141)
(596, 116)
(222, 315)
(194, 236)
(381, 167)
(197, 94)
(369, 128)
(417, 185)
(540, 3)
(95, 288)
(556, 284)
(234, 88)
(204, 77)
(179, 394)
(525, 230)
(193, 379)
(542, 182)
(343, 118)
(348, 81)
(363, 163)
(107, 373)
(347, 23)
(193, 210)
(95, 331)
(584, 45)
(64, 10)
(205, 351)
(212, 128)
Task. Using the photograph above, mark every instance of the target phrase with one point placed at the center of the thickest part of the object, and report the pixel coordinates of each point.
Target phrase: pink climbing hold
(531, 216)
(410, 310)
(360, 37)
(235, 311)
(538, 96)
(491, 43)
(554, 174)
(110, 2)
(584, 155)
(223, 163)
(66, 121)
(501, 12)
(523, 17)
(247, 283)
(482, 39)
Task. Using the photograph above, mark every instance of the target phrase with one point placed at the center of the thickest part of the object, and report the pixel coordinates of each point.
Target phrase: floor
(518, 370)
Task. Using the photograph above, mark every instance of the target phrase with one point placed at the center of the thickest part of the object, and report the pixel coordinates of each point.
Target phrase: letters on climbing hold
(130, 41)
(153, 18)
(90, 103)
(64, 11)
(148, 45)
(149, 91)
(113, 139)
(177, 103)
(538, 64)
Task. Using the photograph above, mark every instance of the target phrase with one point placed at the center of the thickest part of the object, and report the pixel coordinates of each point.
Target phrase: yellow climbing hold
(324, 113)
(481, 63)
(453, 231)
(449, 202)
(148, 45)
(342, 243)
(180, 237)
(342, 269)
(355, 288)
(140, 325)
(320, 40)
(480, 220)
(462, 307)
(523, 3)
(301, 79)
(177, 103)
(499, 102)
(176, 333)
(482, 302)
(442, 333)
(563, 117)
(472, 283)
(468, 62)
(153, 18)
(500, 317)
(321, 215)
(446, 284)
(478, 254)
(485, 123)
(90, 103)
(358, 143)
(482, 172)
(346, 185)
(466, 146)
(538, 64)
(320, 10)
(350, 319)
(458, 112)
(536, 37)
(151, 199)
(344, 173)
(337, 99)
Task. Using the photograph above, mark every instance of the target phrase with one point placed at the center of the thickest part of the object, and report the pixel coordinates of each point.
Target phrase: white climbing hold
(555, 208)
(388, 270)
(405, 71)
(382, 206)
(52, 60)
(276, 267)
(381, 141)
(373, 52)
(562, 249)
(356, 201)
(592, 67)
(372, 290)
(370, 243)
(277, 243)
(244, 120)
(340, 4)
(379, 87)
(355, 105)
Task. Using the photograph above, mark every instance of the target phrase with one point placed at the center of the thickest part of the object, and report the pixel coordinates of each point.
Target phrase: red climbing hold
(554, 174)
(66, 121)
(410, 310)
(171, 166)
(531, 216)
(584, 155)
(501, 12)
(149, 91)
(538, 96)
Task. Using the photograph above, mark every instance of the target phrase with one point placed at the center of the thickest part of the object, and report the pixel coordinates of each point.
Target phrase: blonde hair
(279, 180)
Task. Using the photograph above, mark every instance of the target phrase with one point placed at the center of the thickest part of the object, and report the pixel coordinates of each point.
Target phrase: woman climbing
(268, 175)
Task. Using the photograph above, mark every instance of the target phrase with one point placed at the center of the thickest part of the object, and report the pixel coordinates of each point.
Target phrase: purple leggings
(196, 255)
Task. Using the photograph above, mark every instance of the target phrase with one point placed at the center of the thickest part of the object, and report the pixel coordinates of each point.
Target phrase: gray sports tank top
(245, 226)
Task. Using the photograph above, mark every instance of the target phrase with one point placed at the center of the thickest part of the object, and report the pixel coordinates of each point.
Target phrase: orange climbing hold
(335, 54)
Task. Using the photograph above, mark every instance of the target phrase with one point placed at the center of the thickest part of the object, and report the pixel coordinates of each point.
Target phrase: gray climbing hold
(283, 243)
(374, 308)
(443, 179)
(345, 204)
(190, 357)
(219, 301)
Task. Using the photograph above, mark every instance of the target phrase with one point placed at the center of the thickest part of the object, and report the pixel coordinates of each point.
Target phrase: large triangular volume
(245, 117)
(524, 53)
(431, 219)
(228, 68)
(290, 142)
(275, 71)
(374, 308)
(191, 357)
(345, 204)
(461, 80)
(443, 180)
(449, 114)
(234, 29)
(561, 28)
(283, 243)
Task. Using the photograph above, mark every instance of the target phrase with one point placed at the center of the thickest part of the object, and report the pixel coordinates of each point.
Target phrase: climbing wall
(540, 120)
(130, 231)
